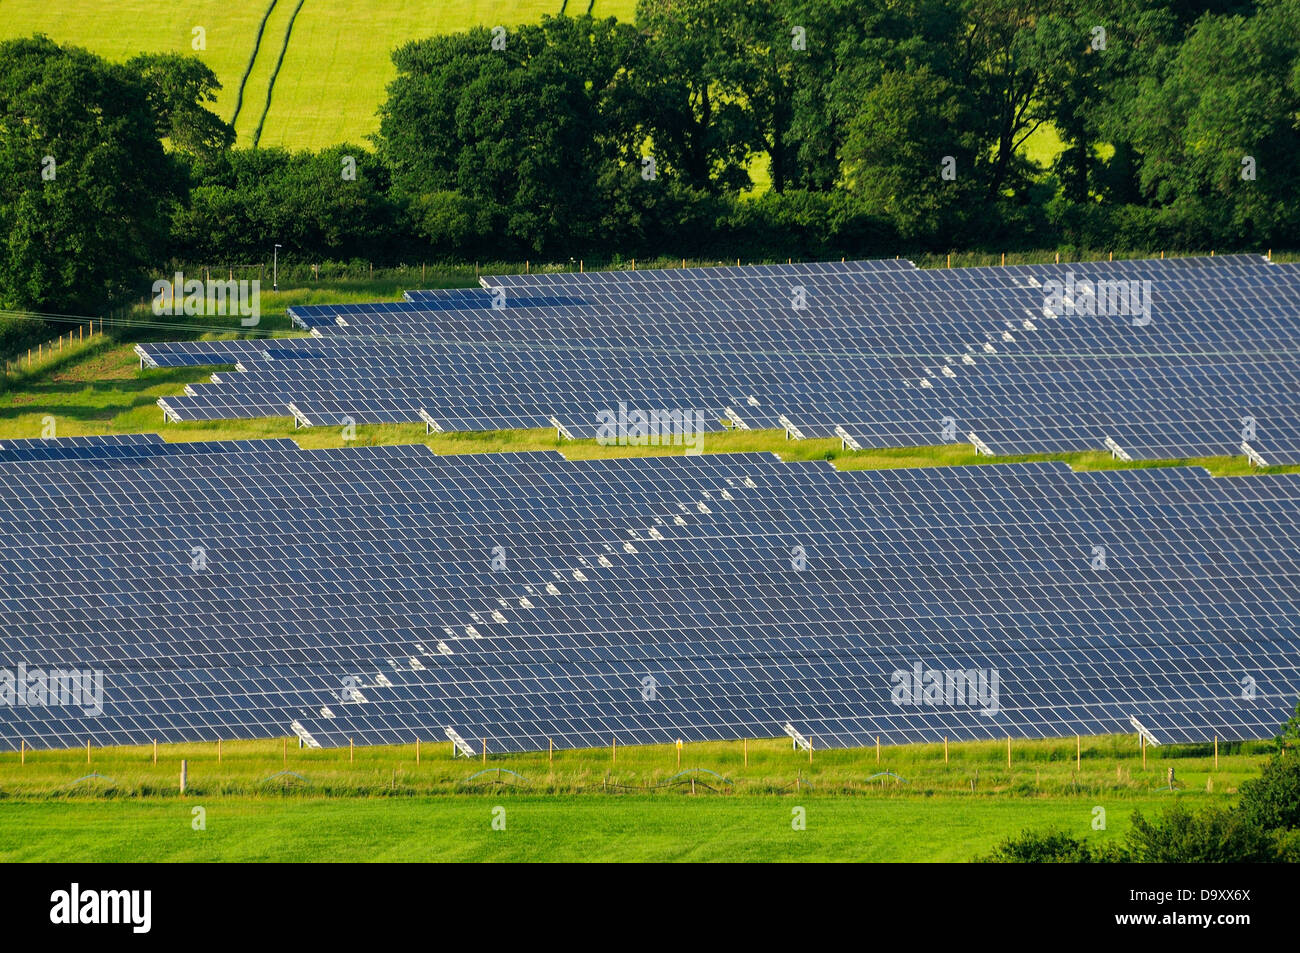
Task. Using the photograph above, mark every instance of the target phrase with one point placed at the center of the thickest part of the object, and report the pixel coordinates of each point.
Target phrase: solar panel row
(1166, 358)
(381, 594)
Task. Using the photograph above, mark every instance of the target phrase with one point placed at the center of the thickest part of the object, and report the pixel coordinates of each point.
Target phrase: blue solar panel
(382, 594)
(883, 352)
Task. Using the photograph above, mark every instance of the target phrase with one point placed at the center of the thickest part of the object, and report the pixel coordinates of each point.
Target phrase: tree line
(704, 129)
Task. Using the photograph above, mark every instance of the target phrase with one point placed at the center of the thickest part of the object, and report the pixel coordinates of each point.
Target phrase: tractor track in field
(257, 45)
(270, 86)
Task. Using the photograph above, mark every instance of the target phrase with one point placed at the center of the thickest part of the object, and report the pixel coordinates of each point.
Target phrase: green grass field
(336, 65)
(379, 804)
(552, 829)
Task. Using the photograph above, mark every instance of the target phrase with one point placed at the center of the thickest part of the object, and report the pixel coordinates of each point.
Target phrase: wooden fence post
(945, 749)
(184, 772)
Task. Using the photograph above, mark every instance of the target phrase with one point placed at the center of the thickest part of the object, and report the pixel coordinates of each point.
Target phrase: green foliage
(895, 150)
(1211, 836)
(180, 89)
(1066, 123)
(249, 199)
(1052, 847)
(688, 85)
(1215, 128)
(1290, 733)
(1272, 801)
(530, 164)
(84, 182)
(1286, 846)
(17, 334)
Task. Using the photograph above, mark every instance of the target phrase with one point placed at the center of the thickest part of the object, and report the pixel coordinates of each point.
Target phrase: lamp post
(275, 269)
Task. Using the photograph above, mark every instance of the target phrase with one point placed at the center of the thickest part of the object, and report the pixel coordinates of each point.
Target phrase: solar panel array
(383, 594)
(883, 352)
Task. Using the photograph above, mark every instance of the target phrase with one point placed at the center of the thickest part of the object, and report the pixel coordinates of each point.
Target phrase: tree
(523, 130)
(326, 205)
(84, 183)
(690, 88)
(1290, 733)
(1091, 98)
(1272, 801)
(1215, 127)
(906, 155)
(850, 43)
(180, 88)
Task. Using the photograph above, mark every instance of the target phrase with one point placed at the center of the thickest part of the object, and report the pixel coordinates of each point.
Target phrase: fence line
(48, 349)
